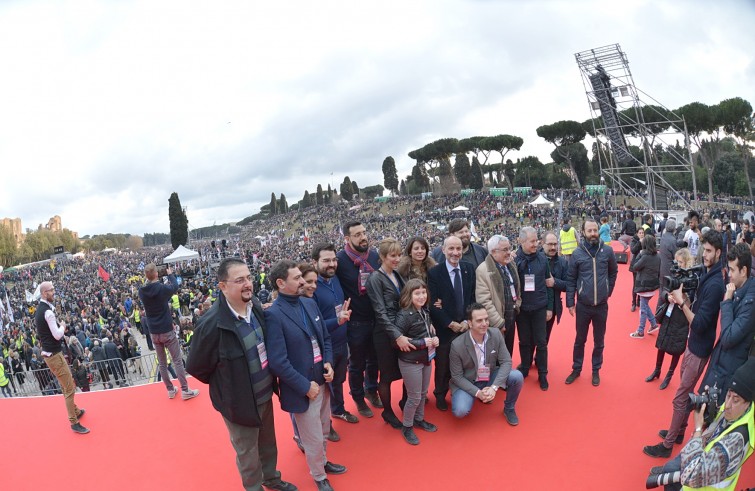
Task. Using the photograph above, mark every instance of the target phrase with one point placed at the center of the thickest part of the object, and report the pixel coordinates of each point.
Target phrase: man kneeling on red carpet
(480, 365)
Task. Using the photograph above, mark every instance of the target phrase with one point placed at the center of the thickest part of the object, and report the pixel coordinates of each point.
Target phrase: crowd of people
(409, 292)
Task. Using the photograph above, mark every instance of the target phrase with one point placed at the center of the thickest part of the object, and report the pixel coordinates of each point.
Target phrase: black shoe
(429, 427)
(333, 436)
(324, 485)
(280, 485)
(298, 444)
(679, 438)
(511, 417)
(364, 409)
(595, 379)
(572, 377)
(373, 398)
(81, 413)
(409, 435)
(657, 451)
(543, 382)
(656, 373)
(441, 404)
(332, 468)
(392, 420)
(634, 307)
(666, 380)
(77, 428)
(347, 416)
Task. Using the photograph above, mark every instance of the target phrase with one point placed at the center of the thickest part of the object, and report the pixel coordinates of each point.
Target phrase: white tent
(181, 254)
(460, 208)
(541, 200)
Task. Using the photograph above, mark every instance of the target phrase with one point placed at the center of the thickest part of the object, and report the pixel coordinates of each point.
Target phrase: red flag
(102, 273)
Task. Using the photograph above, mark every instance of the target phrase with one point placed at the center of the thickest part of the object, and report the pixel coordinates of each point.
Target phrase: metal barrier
(101, 375)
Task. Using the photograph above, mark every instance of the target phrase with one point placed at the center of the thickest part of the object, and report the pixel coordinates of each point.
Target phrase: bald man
(50, 335)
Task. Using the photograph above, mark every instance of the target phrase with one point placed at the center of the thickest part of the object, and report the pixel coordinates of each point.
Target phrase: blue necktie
(458, 295)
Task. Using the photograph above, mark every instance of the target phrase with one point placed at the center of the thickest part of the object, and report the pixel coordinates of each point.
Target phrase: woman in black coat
(635, 247)
(80, 375)
(646, 269)
(672, 337)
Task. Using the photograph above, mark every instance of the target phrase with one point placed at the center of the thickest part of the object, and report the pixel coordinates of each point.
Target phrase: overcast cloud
(108, 107)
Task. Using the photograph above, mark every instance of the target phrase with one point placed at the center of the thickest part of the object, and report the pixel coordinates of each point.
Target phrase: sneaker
(172, 393)
(364, 409)
(637, 335)
(347, 416)
(77, 428)
(333, 436)
(409, 435)
(511, 417)
(425, 425)
(653, 329)
(659, 451)
(374, 399)
(572, 377)
(81, 413)
(189, 394)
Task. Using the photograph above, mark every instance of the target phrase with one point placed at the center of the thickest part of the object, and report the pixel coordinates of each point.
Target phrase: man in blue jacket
(155, 296)
(301, 356)
(702, 315)
(335, 311)
(592, 276)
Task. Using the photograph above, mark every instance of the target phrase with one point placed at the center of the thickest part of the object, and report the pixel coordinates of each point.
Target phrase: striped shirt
(251, 335)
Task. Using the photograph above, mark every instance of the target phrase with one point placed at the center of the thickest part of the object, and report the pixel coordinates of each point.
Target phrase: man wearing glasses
(155, 296)
(229, 353)
(50, 335)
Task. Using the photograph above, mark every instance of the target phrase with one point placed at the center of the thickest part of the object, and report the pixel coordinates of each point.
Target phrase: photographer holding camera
(702, 315)
(713, 458)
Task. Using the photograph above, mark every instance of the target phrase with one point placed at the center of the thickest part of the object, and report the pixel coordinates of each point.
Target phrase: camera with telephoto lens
(710, 397)
(162, 270)
(688, 279)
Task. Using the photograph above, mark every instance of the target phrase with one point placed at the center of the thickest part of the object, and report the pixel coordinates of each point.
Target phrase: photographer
(713, 458)
(734, 342)
(702, 316)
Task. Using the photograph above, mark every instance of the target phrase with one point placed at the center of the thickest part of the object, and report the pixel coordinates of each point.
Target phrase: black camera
(162, 270)
(688, 279)
(710, 397)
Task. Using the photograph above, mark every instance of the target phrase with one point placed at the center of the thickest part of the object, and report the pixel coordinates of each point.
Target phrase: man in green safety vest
(714, 456)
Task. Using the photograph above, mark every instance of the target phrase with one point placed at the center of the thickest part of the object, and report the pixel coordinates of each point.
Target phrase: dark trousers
(596, 315)
(340, 365)
(510, 333)
(363, 370)
(549, 328)
(442, 370)
(531, 327)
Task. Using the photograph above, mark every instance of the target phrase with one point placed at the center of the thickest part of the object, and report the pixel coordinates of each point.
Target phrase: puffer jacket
(672, 336)
(592, 278)
(647, 269)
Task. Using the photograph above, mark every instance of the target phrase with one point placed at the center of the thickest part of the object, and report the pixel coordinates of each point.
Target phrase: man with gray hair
(532, 266)
(497, 288)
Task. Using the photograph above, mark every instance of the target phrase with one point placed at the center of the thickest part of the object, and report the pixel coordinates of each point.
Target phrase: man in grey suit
(480, 365)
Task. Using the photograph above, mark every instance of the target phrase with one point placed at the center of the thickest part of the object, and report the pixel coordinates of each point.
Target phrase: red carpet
(574, 437)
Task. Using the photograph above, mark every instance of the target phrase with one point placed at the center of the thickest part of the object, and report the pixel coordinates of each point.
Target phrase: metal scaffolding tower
(630, 128)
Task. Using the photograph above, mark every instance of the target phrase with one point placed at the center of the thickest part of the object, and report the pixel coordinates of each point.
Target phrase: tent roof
(460, 208)
(181, 254)
(541, 200)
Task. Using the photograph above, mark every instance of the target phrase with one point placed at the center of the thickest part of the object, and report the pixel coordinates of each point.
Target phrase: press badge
(316, 350)
(513, 292)
(669, 310)
(262, 352)
(529, 282)
(339, 308)
(483, 373)
(363, 279)
(430, 353)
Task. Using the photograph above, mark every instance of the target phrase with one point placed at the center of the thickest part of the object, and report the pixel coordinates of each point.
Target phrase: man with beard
(702, 315)
(693, 235)
(355, 263)
(592, 275)
(471, 253)
(335, 311)
(558, 270)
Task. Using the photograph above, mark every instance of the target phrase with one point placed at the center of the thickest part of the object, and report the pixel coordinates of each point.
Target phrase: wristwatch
(494, 387)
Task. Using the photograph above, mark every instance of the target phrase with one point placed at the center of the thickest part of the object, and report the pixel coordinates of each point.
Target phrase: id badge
(363, 279)
(669, 310)
(339, 308)
(483, 373)
(430, 353)
(262, 352)
(316, 350)
(529, 282)
(513, 292)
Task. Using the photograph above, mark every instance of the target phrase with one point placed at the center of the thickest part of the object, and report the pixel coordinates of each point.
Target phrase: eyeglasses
(241, 280)
(504, 249)
(551, 244)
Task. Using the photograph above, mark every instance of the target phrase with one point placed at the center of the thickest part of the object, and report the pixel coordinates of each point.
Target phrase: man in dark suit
(301, 356)
(453, 283)
(480, 364)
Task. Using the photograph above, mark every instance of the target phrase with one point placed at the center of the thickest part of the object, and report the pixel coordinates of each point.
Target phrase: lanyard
(304, 320)
(481, 347)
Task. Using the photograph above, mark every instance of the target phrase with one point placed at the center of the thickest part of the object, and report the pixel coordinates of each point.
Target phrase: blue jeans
(461, 401)
(646, 314)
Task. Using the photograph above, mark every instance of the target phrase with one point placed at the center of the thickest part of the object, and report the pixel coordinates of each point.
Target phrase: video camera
(688, 279)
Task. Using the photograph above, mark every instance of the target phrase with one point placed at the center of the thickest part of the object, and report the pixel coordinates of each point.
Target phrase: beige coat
(489, 290)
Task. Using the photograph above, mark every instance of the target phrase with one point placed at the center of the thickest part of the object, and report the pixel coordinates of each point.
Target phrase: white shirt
(451, 273)
(693, 241)
(56, 330)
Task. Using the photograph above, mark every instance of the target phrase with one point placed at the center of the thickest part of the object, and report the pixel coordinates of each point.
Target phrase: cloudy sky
(106, 107)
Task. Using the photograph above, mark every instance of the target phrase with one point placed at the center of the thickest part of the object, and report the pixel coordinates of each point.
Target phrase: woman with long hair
(646, 271)
(416, 260)
(635, 247)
